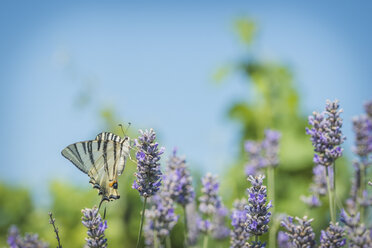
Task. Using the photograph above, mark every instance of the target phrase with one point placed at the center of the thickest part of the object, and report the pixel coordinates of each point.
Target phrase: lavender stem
(142, 218)
(186, 227)
(330, 197)
(271, 191)
(205, 241)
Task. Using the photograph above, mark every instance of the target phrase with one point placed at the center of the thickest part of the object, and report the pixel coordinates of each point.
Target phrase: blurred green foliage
(272, 102)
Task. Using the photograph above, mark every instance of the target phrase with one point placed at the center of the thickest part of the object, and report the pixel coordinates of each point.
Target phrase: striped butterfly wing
(102, 159)
(124, 148)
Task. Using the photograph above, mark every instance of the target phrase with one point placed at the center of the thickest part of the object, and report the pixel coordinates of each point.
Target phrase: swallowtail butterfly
(103, 160)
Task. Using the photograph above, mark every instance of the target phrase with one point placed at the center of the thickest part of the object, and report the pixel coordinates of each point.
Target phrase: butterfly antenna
(121, 127)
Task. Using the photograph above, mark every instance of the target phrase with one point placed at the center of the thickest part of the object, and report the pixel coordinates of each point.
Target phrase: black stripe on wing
(109, 136)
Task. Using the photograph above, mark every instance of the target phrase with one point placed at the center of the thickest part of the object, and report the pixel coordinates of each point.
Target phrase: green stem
(168, 242)
(330, 196)
(205, 242)
(141, 225)
(256, 238)
(156, 240)
(334, 191)
(186, 227)
(362, 186)
(271, 194)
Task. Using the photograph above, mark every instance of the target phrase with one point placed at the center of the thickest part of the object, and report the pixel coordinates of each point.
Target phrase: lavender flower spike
(358, 234)
(178, 182)
(238, 235)
(326, 134)
(333, 237)
(148, 175)
(256, 161)
(210, 202)
(258, 216)
(161, 216)
(283, 240)
(29, 240)
(301, 235)
(362, 127)
(96, 228)
(271, 147)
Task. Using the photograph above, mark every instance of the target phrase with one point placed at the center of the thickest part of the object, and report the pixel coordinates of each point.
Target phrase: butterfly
(103, 160)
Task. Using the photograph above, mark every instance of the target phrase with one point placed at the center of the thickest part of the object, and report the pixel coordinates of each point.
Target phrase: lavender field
(186, 125)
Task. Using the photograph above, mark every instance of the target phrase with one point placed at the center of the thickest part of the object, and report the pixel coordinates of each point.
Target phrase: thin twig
(53, 221)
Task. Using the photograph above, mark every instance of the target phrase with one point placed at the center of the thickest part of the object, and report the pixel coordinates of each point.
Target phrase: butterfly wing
(124, 148)
(101, 160)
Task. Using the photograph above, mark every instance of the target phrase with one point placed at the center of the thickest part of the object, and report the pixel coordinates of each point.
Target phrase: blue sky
(153, 63)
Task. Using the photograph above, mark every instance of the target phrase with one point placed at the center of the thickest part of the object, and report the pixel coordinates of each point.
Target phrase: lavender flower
(326, 134)
(333, 237)
(256, 161)
(351, 202)
(210, 202)
(317, 188)
(362, 127)
(301, 235)
(368, 108)
(96, 228)
(270, 146)
(258, 216)
(148, 168)
(283, 240)
(29, 240)
(192, 220)
(359, 235)
(238, 235)
(221, 231)
(312, 201)
(177, 181)
(161, 216)
(255, 244)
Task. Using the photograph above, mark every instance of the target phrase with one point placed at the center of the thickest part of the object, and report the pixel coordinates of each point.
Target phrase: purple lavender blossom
(368, 108)
(238, 235)
(283, 240)
(362, 127)
(256, 161)
(255, 244)
(312, 201)
(221, 231)
(301, 235)
(96, 228)
(333, 237)
(258, 216)
(317, 188)
(192, 220)
(210, 202)
(270, 146)
(161, 217)
(177, 181)
(359, 235)
(148, 175)
(29, 240)
(326, 134)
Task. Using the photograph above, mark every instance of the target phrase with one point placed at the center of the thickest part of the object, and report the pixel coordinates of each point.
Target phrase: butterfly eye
(115, 185)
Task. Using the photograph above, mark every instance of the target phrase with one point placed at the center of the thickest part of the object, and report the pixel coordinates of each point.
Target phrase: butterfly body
(103, 160)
